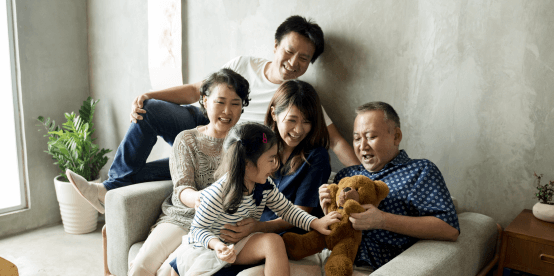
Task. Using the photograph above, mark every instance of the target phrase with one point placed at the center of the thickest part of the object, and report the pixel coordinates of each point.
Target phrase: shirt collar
(401, 158)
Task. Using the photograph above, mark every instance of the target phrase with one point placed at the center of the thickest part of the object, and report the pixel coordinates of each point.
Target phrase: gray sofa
(132, 210)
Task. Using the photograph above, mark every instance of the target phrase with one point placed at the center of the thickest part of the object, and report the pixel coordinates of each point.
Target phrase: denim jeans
(162, 119)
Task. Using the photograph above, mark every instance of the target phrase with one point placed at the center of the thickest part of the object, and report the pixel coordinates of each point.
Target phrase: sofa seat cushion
(474, 248)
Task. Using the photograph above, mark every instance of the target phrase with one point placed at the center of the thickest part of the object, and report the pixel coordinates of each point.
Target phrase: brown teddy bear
(349, 195)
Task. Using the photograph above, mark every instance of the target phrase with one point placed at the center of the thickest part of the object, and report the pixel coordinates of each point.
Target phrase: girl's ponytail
(244, 143)
(236, 167)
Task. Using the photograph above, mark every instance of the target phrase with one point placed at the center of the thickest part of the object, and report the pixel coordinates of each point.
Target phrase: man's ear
(276, 45)
(397, 136)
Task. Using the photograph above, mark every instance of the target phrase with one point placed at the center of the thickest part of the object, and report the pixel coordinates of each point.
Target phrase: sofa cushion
(130, 212)
(474, 248)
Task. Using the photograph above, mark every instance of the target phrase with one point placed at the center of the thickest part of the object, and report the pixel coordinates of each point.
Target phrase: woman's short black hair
(304, 27)
(233, 80)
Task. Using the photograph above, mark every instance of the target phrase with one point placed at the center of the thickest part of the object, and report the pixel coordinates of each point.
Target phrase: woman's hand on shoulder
(322, 224)
(235, 233)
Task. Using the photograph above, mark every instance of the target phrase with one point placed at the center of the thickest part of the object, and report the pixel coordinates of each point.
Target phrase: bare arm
(341, 148)
(278, 225)
(190, 198)
(234, 233)
(183, 94)
(428, 227)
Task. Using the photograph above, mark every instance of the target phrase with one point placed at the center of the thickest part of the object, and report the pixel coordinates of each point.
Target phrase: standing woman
(295, 115)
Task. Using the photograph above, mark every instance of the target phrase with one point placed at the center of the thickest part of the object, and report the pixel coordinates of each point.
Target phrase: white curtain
(164, 43)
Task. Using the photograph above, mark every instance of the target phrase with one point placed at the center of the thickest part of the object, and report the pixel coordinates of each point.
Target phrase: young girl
(242, 191)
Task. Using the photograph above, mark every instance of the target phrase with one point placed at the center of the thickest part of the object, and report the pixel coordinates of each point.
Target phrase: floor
(50, 251)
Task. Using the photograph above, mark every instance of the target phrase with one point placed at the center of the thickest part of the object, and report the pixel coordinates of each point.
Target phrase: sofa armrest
(475, 247)
(130, 212)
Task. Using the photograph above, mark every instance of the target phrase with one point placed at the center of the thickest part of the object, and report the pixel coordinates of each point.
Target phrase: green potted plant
(72, 147)
(544, 209)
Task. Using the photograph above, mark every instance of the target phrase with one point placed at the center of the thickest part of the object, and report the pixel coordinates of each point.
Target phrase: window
(12, 192)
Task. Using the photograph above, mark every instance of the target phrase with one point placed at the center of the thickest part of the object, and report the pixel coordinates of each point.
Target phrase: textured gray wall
(471, 80)
(118, 57)
(54, 80)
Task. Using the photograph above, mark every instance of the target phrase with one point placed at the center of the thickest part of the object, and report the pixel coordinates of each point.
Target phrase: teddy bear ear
(382, 189)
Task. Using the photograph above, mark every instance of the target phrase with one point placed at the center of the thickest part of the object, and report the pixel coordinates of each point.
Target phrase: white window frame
(14, 62)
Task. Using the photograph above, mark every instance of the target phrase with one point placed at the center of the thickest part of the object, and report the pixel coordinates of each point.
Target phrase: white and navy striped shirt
(210, 217)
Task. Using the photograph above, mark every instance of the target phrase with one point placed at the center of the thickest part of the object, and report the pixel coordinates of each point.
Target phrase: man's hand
(235, 233)
(226, 253)
(372, 218)
(324, 197)
(322, 224)
(136, 108)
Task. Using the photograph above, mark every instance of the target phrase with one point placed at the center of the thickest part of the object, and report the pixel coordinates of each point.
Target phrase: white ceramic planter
(78, 216)
(544, 212)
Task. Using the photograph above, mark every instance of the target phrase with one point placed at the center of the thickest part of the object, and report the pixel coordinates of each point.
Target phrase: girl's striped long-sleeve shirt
(210, 217)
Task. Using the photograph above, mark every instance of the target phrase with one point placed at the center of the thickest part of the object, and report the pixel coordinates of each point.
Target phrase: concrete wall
(471, 80)
(118, 57)
(54, 80)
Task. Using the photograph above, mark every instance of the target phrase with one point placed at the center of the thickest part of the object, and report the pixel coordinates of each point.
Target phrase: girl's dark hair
(244, 143)
(304, 27)
(234, 81)
(302, 95)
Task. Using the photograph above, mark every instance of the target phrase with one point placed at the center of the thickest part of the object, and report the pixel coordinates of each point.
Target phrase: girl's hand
(235, 233)
(226, 253)
(322, 224)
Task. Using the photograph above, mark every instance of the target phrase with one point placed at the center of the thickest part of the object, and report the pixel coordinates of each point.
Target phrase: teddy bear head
(361, 189)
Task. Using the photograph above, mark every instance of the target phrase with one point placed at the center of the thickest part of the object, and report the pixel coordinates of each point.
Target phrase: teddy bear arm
(353, 206)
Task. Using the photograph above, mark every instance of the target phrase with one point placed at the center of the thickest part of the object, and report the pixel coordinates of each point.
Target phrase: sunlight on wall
(164, 43)
(164, 54)
(10, 188)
